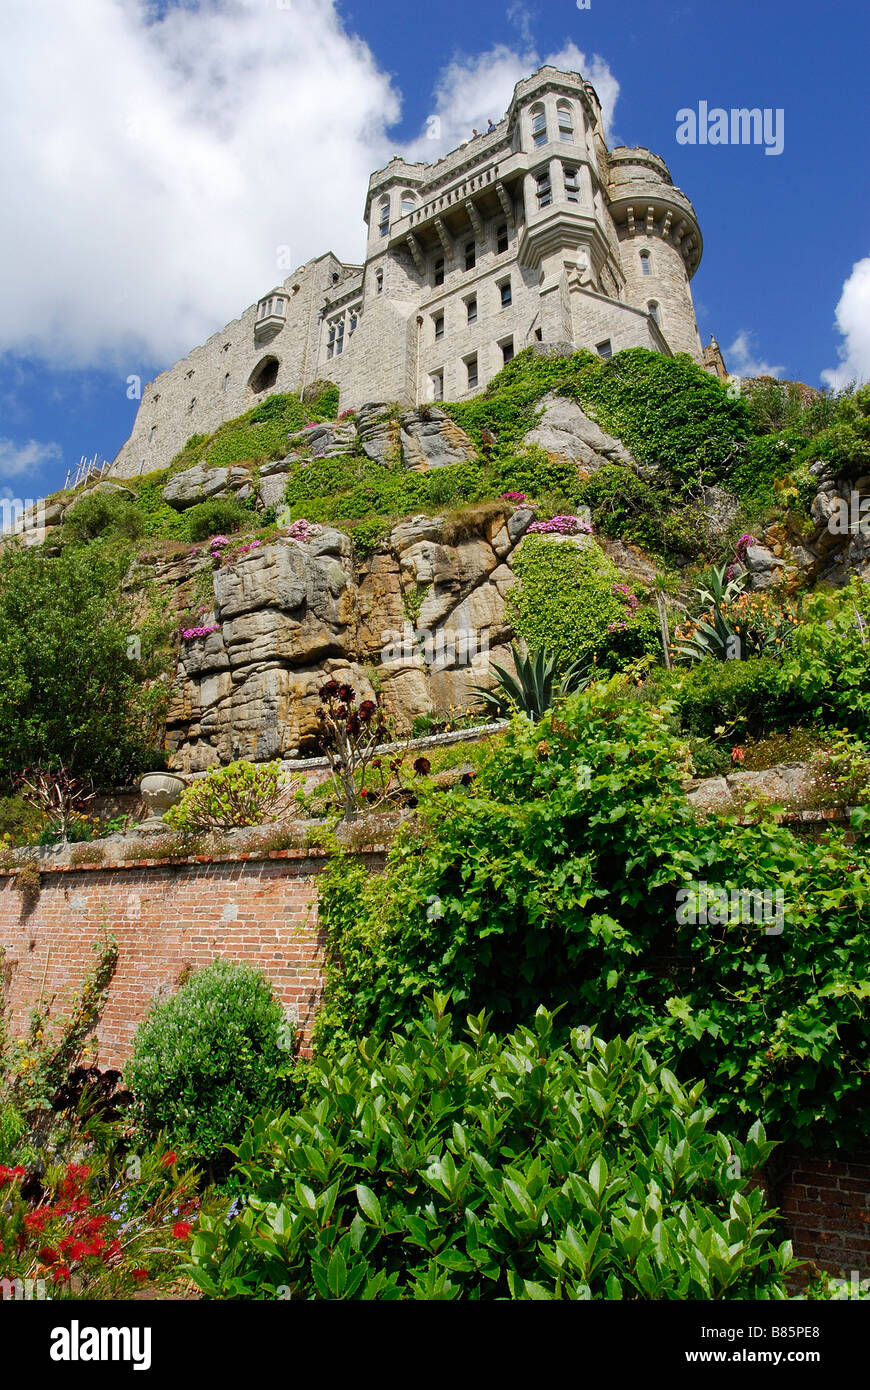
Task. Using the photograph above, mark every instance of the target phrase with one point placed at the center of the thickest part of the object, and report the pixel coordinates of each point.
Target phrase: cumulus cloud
(152, 167)
(155, 165)
(741, 357)
(18, 459)
(853, 322)
(473, 89)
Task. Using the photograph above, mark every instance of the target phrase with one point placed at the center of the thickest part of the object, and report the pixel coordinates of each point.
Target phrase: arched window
(408, 202)
(226, 381)
(264, 375)
(645, 266)
(566, 121)
(654, 312)
(384, 216)
(379, 282)
(539, 124)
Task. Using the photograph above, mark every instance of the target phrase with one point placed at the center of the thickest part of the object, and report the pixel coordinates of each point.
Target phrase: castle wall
(573, 264)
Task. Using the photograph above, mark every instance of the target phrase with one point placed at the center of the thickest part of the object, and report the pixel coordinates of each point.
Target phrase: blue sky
(157, 155)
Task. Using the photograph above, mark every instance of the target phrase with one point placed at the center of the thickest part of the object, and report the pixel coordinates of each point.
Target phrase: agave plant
(711, 634)
(535, 687)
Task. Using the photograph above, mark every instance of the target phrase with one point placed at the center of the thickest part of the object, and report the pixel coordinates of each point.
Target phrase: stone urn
(159, 791)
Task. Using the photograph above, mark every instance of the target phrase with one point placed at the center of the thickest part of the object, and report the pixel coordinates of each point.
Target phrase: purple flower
(190, 633)
(304, 530)
(562, 526)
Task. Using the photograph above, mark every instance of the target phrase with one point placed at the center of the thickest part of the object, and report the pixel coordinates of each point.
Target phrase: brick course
(166, 917)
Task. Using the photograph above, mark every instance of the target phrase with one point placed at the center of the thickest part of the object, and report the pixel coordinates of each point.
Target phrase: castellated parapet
(532, 232)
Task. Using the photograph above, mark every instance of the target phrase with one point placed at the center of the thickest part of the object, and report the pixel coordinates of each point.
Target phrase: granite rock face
(201, 482)
(422, 618)
(563, 428)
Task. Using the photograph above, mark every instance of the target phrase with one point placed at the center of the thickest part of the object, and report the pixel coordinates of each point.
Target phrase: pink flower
(190, 633)
(562, 526)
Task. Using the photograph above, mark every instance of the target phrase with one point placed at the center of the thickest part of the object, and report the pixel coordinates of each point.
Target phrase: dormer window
(539, 125)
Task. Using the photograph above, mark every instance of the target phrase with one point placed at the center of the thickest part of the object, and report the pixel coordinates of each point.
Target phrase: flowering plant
(304, 530)
(191, 633)
(562, 526)
(514, 497)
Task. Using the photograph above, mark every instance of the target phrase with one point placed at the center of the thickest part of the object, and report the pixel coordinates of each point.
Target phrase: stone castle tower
(532, 232)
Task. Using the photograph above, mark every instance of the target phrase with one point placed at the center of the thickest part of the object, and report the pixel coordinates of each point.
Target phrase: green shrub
(325, 406)
(275, 407)
(495, 1168)
(102, 514)
(568, 601)
(558, 882)
(216, 516)
(746, 696)
(209, 1057)
(667, 410)
(70, 691)
(241, 793)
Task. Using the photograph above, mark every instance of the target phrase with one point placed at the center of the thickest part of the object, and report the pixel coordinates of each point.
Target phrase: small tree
(350, 735)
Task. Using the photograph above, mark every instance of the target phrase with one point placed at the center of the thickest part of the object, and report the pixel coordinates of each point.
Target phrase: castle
(533, 232)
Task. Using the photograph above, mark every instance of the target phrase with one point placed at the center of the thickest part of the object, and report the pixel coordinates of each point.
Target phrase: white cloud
(16, 459)
(740, 358)
(473, 89)
(853, 322)
(154, 166)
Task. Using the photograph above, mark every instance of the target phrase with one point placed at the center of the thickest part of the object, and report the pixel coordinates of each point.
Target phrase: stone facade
(532, 232)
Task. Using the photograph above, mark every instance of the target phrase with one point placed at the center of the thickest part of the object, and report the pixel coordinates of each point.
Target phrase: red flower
(48, 1255)
(168, 1159)
(422, 766)
(62, 1272)
(141, 1274)
(10, 1174)
(36, 1220)
(181, 1230)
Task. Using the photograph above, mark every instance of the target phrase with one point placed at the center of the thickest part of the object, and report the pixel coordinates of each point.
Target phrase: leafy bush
(667, 410)
(214, 515)
(241, 793)
(557, 883)
(497, 1168)
(325, 406)
(569, 601)
(69, 690)
(827, 664)
(206, 1059)
(102, 514)
(746, 696)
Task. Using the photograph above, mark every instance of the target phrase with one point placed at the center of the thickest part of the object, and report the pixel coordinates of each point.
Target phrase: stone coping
(427, 741)
(44, 865)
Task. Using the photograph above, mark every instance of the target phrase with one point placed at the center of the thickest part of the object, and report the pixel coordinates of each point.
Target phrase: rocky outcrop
(197, 484)
(418, 439)
(423, 618)
(563, 428)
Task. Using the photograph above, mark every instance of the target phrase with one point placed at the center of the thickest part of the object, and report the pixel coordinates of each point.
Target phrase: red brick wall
(826, 1204)
(166, 918)
(169, 917)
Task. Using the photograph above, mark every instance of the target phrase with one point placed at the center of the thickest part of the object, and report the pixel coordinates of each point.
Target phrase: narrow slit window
(438, 276)
(502, 240)
(471, 368)
(471, 307)
(506, 296)
(544, 189)
(439, 327)
(645, 267)
(470, 256)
